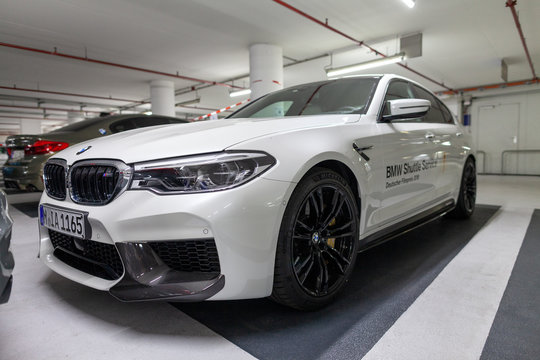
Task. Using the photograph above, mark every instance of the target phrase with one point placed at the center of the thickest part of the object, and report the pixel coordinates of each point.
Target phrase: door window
(435, 114)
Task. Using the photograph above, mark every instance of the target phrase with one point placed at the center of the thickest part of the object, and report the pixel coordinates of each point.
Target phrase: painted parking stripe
(515, 333)
(453, 316)
(386, 280)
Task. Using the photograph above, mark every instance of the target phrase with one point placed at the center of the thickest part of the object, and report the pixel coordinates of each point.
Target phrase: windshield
(343, 96)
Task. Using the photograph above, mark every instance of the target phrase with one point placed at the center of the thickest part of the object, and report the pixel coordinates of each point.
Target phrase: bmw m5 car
(276, 200)
(28, 153)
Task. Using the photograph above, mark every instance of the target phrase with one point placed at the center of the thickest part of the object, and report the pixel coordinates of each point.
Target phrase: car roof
(106, 120)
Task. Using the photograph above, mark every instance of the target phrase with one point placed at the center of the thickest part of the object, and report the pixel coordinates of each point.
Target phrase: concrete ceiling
(463, 44)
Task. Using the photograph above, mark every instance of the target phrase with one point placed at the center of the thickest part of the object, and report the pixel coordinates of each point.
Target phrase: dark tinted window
(344, 96)
(434, 115)
(121, 125)
(448, 117)
(143, 121)
(146, 121)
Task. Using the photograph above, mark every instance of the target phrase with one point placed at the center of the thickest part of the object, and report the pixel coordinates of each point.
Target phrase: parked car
(28, 153)
(276, 200)
(6, 257)
(3, 154)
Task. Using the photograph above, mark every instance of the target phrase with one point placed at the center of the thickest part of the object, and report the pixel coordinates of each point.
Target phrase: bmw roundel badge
(83, 149)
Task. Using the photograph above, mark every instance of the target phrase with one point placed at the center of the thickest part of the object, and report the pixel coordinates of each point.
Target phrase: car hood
(194, 138)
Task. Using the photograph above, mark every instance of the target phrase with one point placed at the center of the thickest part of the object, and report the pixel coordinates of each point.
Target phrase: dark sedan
(28, 153)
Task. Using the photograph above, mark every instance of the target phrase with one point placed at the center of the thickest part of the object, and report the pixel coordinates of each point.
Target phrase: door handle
(430, 136)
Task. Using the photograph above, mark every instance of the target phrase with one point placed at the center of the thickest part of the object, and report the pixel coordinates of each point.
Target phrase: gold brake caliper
(331, 241)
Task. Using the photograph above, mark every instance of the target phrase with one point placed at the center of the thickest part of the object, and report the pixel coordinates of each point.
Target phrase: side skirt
(406, 225)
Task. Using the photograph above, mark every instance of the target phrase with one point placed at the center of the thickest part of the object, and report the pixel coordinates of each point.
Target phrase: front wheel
(318, 242)
(467, 192)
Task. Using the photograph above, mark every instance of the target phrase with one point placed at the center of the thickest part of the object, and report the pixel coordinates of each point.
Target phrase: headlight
(200, 173)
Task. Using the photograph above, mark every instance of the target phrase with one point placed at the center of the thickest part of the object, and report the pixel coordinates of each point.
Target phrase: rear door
(448, 139)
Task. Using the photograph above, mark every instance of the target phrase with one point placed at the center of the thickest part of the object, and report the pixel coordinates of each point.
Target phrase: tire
(467, 192)
(318, 242)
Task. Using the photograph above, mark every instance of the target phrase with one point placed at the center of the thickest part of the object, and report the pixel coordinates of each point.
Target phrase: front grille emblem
(83, 149)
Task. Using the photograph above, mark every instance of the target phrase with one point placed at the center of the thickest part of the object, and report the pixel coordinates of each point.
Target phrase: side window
(121, 125)
(396, 90)
(435, 114)
(448, 117)
(146, 121)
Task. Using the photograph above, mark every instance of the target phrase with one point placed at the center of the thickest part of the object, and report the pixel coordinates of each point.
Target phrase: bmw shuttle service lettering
(276, 200)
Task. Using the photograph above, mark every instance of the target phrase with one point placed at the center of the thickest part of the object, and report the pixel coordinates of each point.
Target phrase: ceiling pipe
(191, 89)
(512, 5)
(359, 42)
(491, 87)
(49, 109)
(71, 94)
(102, 62)
(31, 118)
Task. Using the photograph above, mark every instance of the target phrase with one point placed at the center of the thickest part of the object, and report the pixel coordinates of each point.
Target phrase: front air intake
(97, 182)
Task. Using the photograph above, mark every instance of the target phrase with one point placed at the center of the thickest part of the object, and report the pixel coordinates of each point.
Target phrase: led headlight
(201, 173)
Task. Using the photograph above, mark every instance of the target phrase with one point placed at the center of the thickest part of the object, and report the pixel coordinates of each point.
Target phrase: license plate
(17, 154)
(69, 222)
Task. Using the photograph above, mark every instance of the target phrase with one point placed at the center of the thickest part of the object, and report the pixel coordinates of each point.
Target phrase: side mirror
(406, 108)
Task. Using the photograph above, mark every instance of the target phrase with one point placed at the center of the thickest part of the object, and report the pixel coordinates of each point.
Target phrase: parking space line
(452, 318)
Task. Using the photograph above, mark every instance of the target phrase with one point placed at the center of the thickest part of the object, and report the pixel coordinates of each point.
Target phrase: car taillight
(45, 147)
(9, 152)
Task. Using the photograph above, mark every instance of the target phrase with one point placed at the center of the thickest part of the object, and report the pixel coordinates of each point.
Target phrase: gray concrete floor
(49, 317)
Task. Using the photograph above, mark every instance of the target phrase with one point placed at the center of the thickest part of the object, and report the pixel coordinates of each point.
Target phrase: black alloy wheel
(318, 242)
(467, 192)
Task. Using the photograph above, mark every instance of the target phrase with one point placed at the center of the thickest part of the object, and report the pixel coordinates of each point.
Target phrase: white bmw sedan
(276, 200)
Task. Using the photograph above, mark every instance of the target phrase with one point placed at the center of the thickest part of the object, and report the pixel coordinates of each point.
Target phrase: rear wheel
(467, 192)
(318, 242)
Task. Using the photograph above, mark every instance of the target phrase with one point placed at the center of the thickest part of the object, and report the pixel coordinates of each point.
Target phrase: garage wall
(502, 127)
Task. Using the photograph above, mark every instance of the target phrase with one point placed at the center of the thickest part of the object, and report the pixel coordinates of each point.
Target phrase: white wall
(504, 122)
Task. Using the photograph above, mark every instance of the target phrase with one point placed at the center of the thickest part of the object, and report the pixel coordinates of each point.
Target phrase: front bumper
(148, 278)
(244, 222)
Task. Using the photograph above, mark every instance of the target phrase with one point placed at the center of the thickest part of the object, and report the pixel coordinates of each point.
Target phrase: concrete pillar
(30, 127)
(74, 116)
(162, 94)
(265, 69)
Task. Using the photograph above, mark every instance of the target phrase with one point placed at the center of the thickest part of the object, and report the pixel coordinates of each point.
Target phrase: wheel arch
(343, 170)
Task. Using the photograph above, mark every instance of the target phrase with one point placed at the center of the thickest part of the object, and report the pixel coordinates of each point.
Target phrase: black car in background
(28, 153)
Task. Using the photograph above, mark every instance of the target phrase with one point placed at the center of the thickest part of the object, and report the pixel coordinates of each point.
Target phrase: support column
(162, 94)
(265, 69)
(30, 127)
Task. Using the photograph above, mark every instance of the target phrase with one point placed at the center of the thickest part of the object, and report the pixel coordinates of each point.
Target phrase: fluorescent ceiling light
(189, 102)
(409, 3)
(147, 113)
(366, 65)
(240, 92)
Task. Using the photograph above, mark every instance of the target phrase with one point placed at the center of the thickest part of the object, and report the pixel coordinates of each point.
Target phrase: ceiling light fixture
(240, 92)
(189, 102)
(365, 65)
(409, 3)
